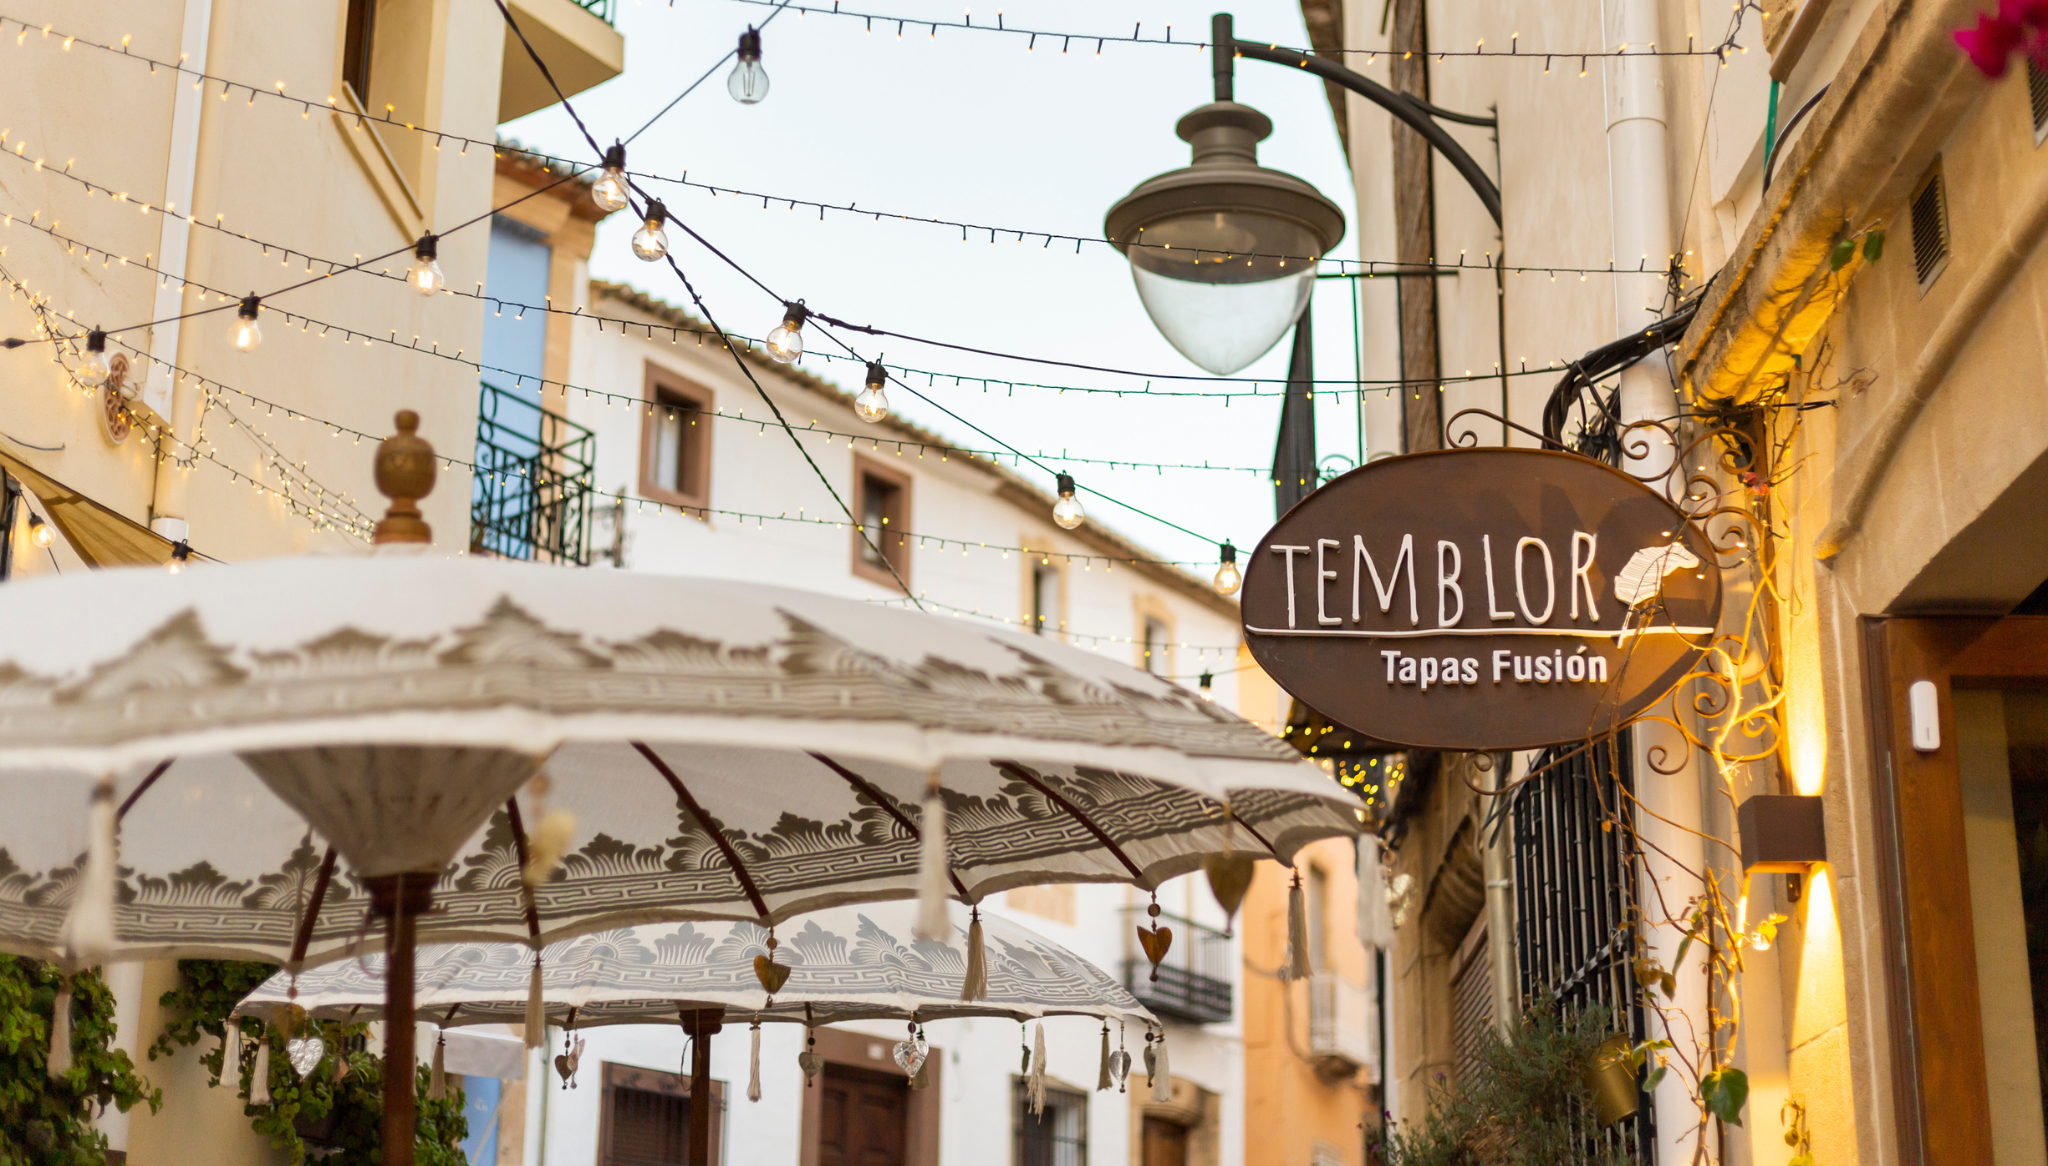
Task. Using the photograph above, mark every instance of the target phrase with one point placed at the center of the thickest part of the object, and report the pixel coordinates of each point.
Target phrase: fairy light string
(1360, 268)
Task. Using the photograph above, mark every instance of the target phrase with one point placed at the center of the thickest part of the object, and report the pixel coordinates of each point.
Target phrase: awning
(98, 535)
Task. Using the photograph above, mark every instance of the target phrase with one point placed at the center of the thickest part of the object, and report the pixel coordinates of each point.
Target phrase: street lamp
(1224, 250)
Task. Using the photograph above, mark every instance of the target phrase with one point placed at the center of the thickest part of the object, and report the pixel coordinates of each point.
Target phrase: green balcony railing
(533, 470)
(602, 9)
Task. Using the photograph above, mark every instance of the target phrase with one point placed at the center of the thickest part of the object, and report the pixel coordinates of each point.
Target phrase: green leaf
(1801, 1160)
(1724, 1091)
(1656, 1075)
(1873, 250)
(1678, 961)
(1844, 251)
(1670, 983)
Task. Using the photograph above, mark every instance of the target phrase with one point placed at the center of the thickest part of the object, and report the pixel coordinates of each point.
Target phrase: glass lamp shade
(1224, 286)
(1224, 250)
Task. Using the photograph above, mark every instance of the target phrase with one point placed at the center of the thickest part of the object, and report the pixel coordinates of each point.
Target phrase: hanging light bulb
(425, 276)
(1228, 580)
(39, 532)
(1207, 684)
(786, 342)
(873, 405)
(609, 191)
(1067, 511)
(180, 552)
(749, 81)
(94, 369)
(248, 333)
(650, 242)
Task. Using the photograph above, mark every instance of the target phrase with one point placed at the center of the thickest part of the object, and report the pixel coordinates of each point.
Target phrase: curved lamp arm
(1417, 114)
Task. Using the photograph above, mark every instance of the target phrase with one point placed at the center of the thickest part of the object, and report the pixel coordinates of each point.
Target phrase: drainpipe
(1639, 194)
(174, 398)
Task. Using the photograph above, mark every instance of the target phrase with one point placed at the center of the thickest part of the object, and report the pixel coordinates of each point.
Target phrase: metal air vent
(1930, 227)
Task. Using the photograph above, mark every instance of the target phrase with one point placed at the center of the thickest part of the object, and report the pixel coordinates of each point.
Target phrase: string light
(1228, 580)
(181, 551)
(786, 343)
(425, 275)
(748, 83)
(248, 333)
(873, 403)
(39, 532)
(1067, 511)
(650, 242)
(1207, 683)
(611, 190)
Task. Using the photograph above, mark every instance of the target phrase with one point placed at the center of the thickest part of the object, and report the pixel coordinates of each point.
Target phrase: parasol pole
(700, 1024)
(401, 898)
(404, 471)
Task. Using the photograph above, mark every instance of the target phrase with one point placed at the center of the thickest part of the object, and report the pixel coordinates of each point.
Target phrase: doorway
(1165, 1144)
(861, 1117)
(1963, 809)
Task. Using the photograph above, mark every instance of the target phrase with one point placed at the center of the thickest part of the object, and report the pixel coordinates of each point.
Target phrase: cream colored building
(1892, 398)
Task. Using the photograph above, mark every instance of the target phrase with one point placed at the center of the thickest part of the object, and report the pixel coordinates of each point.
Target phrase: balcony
(1193, 981)
(1341, 1026)
(533, 471)
(575, 38)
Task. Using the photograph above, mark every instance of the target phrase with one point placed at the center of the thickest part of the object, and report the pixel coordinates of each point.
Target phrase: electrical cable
(966, 24)
(1367, 268)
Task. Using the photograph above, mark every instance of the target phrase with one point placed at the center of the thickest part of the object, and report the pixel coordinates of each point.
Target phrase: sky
(977, 127)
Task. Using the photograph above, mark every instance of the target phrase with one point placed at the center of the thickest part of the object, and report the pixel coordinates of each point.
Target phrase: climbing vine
(337, 1107)
(47, 1121)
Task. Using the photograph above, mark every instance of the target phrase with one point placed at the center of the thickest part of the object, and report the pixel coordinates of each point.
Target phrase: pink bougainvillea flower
(1990, 44)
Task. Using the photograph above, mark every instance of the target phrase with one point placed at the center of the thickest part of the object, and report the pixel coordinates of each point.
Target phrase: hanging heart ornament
(1156, 940)
(1230, 876)
(305, 1053)
(1119, 1068)
(810, 1064)
(910, 1055)
(771, 974)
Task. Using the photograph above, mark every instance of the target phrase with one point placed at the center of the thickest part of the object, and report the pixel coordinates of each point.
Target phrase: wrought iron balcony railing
(533, 473)
(602, 9)
(1194, 979)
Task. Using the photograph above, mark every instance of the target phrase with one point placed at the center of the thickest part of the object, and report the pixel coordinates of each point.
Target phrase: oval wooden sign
(1480, 600)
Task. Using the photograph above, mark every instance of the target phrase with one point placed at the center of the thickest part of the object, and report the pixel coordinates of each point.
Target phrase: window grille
(1471, 1001)
(1930, 227)
(1056, 1137)
(1574, 943)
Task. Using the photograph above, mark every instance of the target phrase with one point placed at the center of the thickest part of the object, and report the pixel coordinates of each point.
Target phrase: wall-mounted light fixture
(1782, 834)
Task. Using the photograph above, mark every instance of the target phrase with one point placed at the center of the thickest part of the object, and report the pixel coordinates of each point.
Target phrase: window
(1043, 614)
(1471, 1000)
(1157, 646)
(881, 497)
(863, 1117)
(2037, 99)
(646, 1118)
(1056, 1137)
(1930, 227)
(675, 452)
(355, 47)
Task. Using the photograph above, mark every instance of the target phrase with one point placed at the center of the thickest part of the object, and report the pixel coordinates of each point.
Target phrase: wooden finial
(405, 474)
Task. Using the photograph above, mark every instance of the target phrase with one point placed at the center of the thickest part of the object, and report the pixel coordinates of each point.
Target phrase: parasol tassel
(975, 987)
(437, 1079)
(754, 1066)
(1296, 967)
(259, 1084)
(1162, 1076)
(231, 1052)
(1102, 1071)
(931, 868)
(923, 1078)
(1037, 1084)
(60, 1031)
(536, 1015)
(89, 928)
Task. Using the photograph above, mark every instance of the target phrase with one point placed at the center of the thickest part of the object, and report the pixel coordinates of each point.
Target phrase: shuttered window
(1471, 1001)
(2037, 99)
(1930, 227)
(648, 1129)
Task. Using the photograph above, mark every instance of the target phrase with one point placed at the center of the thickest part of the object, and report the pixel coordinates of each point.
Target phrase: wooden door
(861, 1118)
(1166, 1143)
